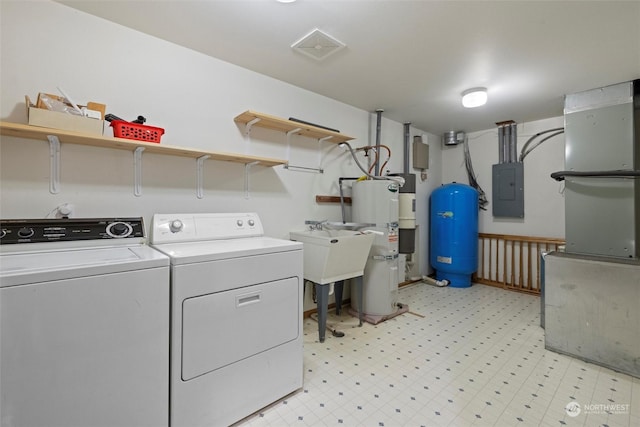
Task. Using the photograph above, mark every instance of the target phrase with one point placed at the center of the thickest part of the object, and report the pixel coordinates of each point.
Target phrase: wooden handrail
(499, 264)
(511, 237)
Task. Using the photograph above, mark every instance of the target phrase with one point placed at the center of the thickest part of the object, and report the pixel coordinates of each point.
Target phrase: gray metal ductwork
(591, 290)
(602, 184)
(453, 137)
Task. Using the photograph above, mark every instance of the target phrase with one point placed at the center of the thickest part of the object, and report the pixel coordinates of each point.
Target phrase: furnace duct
(602, 184)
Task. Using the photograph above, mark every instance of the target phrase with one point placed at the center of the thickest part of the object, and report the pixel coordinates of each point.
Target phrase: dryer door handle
(247, 299)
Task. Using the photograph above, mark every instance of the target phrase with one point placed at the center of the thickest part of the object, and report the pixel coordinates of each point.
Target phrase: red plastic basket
(122, 129)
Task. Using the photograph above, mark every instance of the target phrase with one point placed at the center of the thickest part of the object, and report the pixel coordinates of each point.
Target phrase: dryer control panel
(74, 229)
(174, 228)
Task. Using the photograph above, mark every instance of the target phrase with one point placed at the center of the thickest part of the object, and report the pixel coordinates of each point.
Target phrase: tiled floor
(459, 357)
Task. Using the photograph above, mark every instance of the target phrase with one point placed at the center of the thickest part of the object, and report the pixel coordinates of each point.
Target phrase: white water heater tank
(376, 202)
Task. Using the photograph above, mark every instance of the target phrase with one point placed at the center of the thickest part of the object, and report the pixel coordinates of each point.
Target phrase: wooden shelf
(284, 125)
(40, 133)
(332, 199)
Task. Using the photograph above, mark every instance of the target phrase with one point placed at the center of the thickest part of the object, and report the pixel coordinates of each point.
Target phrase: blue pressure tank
(454, 233)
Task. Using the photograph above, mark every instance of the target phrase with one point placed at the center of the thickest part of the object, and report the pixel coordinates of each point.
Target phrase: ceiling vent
(318, 45)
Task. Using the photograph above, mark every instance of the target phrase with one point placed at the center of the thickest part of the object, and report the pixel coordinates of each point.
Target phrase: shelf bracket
(320, 141)
(199, 175)
(54, 164)
(137, 171)
(247, 169)
(291, 132)
(249, 125)
(304, 168)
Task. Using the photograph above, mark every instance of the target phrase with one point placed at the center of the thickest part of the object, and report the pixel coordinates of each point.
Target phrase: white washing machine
(236, 316)
(84, 331)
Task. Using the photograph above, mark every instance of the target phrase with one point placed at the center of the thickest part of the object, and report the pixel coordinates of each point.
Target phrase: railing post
(507, 263)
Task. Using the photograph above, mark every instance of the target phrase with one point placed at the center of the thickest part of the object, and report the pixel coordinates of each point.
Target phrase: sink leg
(322, 295)
(359, 297)
(338, 287)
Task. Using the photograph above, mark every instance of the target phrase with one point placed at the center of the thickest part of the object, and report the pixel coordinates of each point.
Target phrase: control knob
(25, 232)
(176, 225)
(119, 229)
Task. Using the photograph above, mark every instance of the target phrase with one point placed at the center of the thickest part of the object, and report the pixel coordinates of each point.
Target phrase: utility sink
(333, 255)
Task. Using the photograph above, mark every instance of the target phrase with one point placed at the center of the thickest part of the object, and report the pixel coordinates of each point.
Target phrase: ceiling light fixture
(475, 97)
(286, 1)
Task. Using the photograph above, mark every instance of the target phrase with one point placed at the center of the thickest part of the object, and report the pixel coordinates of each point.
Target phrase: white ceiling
(411, 58)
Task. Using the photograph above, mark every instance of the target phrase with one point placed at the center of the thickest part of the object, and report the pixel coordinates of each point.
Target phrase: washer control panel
(73, 229)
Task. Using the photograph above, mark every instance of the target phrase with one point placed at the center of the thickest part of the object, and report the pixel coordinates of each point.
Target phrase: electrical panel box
(420, 154)
(508, 190)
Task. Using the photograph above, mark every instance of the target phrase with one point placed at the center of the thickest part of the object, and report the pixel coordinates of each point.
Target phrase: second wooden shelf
(284, 125)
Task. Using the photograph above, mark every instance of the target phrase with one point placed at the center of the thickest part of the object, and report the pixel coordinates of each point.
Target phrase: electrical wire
(525, 151)
(482, 197)
(537, 144)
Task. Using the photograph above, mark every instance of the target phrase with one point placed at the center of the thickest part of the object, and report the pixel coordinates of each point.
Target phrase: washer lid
(43, 266)
(190, 252)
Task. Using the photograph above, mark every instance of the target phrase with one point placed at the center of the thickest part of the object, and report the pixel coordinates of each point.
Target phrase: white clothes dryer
(236, 316)
(84, 331)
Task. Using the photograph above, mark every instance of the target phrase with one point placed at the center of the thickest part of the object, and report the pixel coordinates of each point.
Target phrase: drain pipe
(378, 130)
(407, 137)
(433, 282)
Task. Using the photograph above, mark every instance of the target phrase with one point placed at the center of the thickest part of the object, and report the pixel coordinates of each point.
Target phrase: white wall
(192, 96)
(195, 98)
(543, 197)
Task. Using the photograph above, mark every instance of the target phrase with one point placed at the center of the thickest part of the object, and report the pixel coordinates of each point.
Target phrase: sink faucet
(315, 225)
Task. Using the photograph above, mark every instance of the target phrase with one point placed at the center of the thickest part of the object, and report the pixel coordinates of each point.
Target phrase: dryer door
(222, 328)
